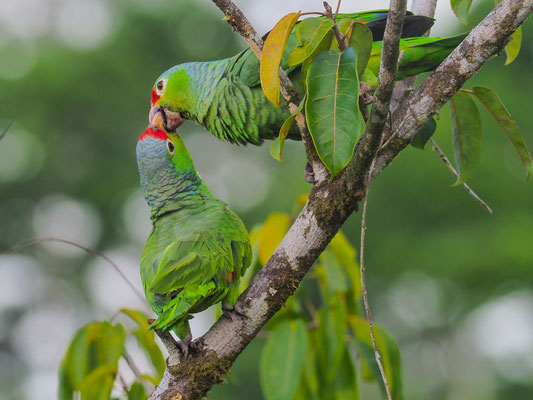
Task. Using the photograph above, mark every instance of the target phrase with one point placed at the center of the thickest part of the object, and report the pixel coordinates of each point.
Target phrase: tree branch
(328, 207)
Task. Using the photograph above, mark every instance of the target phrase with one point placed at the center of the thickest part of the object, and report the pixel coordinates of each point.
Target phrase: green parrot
(225, 96)
(198, 249)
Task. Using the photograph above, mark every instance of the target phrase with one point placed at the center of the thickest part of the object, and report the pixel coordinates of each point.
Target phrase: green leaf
(276, 148)
(492, 102)
(461, 8)
(93, 352)
(332, 338)
(146, 339)
(424, 134)
(137, 392)
(466, 125)
(360, 38)
(388, 349)
(271, 56)
(282, 360)
(332, 109)
(310, 33)
(346, 256)
(513, 47)
(344, 385)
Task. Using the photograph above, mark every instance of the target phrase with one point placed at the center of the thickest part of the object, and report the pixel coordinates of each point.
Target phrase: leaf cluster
(319, 344)
(330, 78)
(90, 368)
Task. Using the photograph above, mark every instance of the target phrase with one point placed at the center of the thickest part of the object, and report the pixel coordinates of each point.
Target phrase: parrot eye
(171, 148)
(161, 86)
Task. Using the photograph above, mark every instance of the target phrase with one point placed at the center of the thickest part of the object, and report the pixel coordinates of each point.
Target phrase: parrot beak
(164, 119)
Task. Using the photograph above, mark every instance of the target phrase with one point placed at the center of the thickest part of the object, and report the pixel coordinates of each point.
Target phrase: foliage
(317, 349)
(91, 364)
(331, 81)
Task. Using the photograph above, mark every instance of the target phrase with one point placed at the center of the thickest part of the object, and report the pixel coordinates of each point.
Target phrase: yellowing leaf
(276, 148)
(271, 56)
(274, 229)
(513, 47)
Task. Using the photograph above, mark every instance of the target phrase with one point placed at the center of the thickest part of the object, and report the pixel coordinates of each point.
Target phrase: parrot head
(165, 165)
(172, 99)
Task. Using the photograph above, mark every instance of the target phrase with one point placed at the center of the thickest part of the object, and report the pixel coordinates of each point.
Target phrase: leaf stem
(454, 172)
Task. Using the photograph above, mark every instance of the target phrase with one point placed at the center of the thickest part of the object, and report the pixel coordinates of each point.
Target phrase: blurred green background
(451, 282)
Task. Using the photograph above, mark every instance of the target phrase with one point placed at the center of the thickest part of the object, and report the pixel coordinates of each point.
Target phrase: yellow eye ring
(170, 147)
(161, 86)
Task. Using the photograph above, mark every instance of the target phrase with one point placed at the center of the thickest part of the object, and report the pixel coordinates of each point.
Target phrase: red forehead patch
(161, 135)
(155, 97)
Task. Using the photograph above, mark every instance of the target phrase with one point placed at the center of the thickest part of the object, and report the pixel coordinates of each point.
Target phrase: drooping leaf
(332, 109)
(92, 355)
(146, 339)
(497, 109)
(466, 124)
(360, 38)
(282, 360)
(137, 392)
(336, 278)
(344, 384)
(513, 47)
(310, 33)
(276, 148)
(388, 349)
(346, 256)
(271, 56)
(332, 337)
(461, 8)
(424, 134)
(274, 228)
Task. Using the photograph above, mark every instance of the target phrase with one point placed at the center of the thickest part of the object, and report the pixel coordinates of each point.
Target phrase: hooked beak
(164, 119)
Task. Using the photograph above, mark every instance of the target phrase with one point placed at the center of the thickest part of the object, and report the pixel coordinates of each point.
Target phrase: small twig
(340, 37)
(314, 13)
(122, 382)
(7, 129)
(364, 293)
(131, 363)
(33, 241)
(454, 172)
(337, 10)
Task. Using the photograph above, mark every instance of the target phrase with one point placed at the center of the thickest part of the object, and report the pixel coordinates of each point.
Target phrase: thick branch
(404, 87)
(328, 207)
(484, 41)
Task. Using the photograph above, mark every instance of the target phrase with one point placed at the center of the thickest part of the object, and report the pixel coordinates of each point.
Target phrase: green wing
(197, 271)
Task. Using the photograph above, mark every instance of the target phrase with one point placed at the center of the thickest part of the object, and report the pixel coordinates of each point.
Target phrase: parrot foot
(185, 345)
(309, 174)
(228, 311)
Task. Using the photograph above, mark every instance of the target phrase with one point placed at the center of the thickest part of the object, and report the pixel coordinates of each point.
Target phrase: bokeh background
(453, 283)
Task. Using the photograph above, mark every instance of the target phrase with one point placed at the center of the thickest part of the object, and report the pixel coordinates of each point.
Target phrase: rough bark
(328, 207)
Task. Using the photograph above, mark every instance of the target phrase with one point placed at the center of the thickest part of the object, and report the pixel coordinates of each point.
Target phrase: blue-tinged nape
(164, 187)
